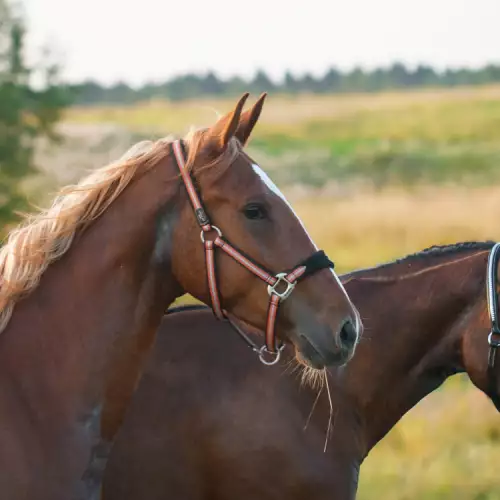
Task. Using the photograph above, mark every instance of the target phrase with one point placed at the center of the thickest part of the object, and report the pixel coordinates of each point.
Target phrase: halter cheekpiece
(279, 286)
(494, 336)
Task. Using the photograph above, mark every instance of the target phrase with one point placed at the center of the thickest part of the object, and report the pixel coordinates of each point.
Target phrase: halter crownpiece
(279, 286)
(494, 336)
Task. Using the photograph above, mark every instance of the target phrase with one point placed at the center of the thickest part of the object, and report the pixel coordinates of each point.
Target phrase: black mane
(443, 250)
(422, 255)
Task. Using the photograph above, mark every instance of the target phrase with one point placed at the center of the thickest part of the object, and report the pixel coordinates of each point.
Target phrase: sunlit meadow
(373, 177)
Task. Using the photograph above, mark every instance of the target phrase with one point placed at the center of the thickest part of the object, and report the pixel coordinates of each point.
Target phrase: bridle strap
(246, 262)
(312, 264)
(212, 279)
(309, 266)
(194, 198)
(493, 392)
(494, 336)
(204, 222)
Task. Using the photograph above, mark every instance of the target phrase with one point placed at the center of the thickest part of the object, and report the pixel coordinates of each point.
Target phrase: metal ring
(277, 355)
(281, 277)
(494, 342)
(215, 228)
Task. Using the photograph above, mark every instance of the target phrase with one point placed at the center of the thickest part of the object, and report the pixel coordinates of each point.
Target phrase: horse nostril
(348, 336)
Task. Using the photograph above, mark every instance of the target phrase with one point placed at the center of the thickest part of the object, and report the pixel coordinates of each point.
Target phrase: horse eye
(254, 211)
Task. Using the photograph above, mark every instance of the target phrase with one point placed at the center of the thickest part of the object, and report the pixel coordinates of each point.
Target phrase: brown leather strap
(314, 263)
(212, 279)
(244, 261)
(272, 312)
(199, 211)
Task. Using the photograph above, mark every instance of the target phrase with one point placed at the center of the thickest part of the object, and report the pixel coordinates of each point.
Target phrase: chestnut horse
(208, 422)
(84, 286)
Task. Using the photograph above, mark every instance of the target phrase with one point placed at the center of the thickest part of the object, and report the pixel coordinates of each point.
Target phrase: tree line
(396, 76)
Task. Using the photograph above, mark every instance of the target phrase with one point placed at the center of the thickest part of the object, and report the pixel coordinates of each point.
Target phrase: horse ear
(221, 132)
(249, 119)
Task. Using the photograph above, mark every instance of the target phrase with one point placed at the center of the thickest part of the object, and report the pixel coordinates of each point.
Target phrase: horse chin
(309, 356)
(308, 363)
(310, 376)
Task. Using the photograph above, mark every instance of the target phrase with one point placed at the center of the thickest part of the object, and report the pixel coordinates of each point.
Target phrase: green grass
(406, 137)
(444, 449)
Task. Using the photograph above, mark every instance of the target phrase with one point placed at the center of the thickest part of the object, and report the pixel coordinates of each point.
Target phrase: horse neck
(73, 348)
(412, 334)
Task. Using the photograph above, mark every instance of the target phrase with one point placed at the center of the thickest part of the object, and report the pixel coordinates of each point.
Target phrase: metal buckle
(494, 339)
(215, 228)
(281, 277)
(277, 355)
(202, 217)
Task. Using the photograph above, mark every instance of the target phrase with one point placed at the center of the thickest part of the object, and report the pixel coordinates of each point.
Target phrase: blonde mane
(46, 236)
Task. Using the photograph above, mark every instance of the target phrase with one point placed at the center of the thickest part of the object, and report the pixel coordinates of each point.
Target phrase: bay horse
(84, 286)
(209, 423)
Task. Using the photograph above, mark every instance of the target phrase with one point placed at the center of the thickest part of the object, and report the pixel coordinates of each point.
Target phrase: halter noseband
(494, 336)
(288, 279)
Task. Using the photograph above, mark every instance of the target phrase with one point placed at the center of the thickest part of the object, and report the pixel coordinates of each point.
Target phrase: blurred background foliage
(377, 163)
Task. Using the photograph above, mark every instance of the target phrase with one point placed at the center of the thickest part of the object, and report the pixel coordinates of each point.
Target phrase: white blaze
(275, 189)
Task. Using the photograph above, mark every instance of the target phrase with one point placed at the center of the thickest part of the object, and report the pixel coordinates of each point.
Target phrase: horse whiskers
(291, 366)
(365, 330)
(318, 379)
(312, 409)
(329, 429)
(311, 377)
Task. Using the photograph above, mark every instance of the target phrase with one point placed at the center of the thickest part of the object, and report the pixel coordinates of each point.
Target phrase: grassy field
(446, 447)
(390, 174)
(437, 136)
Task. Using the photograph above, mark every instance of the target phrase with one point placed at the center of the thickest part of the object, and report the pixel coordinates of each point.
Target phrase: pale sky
(151, 40)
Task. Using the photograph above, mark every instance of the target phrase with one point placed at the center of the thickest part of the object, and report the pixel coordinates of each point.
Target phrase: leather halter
(494, 336)
(275, 283)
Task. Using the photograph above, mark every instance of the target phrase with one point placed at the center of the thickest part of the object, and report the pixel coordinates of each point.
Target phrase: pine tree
(27, 112)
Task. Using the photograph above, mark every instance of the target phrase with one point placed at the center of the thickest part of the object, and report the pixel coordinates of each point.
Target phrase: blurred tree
(27, 111)
(211, 85)
(261, 82)
(398, 76)
(235, 86)
(357, 80)
(307, 83)
(120, 92)
(331, 81)
(183, 87)
(424, 75)
(290, 84)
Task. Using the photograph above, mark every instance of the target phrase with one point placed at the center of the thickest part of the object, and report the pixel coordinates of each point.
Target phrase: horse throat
(419, 319)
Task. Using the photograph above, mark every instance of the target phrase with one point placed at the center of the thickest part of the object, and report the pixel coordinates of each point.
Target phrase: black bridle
(494, 336)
